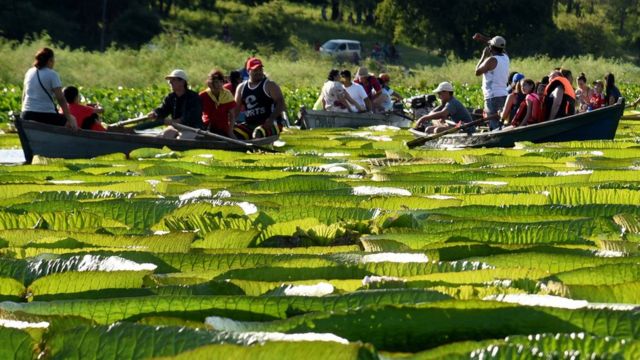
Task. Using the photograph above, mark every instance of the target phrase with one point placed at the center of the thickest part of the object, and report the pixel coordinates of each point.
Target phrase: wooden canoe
(61, 142)
(313, 119)
(600, 124)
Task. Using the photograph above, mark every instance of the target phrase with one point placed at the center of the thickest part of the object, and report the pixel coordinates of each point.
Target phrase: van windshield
(330, 45)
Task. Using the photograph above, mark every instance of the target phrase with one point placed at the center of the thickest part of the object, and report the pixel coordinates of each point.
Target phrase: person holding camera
(494, 68)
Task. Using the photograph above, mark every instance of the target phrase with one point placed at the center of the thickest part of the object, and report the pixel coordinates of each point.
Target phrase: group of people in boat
(258, 101)
(512, 100)
(509, 98)
(366, 93)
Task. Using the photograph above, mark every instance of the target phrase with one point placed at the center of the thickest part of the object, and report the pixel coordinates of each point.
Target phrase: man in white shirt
(494, 68)
(356, 91)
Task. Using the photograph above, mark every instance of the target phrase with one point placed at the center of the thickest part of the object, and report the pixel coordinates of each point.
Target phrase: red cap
(253, 63)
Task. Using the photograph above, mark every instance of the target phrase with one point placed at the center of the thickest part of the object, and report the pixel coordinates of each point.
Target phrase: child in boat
(530, 110)
(597, 99)
(86, 115)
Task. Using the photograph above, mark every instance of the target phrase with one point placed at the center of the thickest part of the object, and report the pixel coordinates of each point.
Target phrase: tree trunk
(335, 10)
(569, 6)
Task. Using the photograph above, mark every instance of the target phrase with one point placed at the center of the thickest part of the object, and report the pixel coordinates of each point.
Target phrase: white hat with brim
(498, 41)
(177, 73)
(444, 86)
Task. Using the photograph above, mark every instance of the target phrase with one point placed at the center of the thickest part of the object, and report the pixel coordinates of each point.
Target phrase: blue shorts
(491, 107)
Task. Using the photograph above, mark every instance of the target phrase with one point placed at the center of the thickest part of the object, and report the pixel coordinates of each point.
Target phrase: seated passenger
(514, 99)
(560, 98)
(334, 96)
(583, 93)
(86, 115)
(181, 105)
(217, 105)
(530, 110)
(263, 103)
(597, 99)
(371, 86)
(611, 94)
(435, 121)
(390, 96)
(357, 93)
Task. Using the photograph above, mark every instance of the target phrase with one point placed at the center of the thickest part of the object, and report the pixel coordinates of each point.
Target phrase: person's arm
(236, 110)
(62, 101)
(506, 110)
(486, 62)
(163, 110)
(276, 95)
(557, 100)
(350, 100)
(440, 114)
(368, 104)
(527, 116)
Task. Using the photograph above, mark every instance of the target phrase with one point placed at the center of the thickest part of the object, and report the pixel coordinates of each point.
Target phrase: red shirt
(81, 113)
(596, 101)
(215, 113)
(372, 84)
(229, 86)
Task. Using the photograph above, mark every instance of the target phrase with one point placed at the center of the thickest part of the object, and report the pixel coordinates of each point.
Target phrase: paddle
(220, 137)
(633, 104)
(421, 140)
(129, 121)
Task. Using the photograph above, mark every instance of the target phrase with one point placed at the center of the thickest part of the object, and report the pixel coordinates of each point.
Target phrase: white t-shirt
(357, 93)
(494, 82)
(35, 98)
(331, 93)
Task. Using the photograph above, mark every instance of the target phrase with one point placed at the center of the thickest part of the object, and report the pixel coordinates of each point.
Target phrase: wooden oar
(220, 137)
(633, 104)
(129, 121)
(421, 140)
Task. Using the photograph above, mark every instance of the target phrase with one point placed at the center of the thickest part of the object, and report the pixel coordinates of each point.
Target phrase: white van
(342, 49)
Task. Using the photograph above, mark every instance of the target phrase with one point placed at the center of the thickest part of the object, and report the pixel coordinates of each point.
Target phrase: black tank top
(258, 105)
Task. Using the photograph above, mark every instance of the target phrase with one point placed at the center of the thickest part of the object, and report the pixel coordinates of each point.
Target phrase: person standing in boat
(181, 105)
(560, 98)
(436, 120)
(494, 68)
(41, 85)
(262, 101)
(217, 105)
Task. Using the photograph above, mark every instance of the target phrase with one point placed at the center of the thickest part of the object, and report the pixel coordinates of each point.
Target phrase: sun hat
(362, 72)
(177, 73)
(498, 41)
(444, 86)
(254, 63)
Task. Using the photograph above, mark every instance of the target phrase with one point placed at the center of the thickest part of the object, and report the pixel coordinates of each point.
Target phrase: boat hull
(314, 119)
(599, 124)
(61, 142)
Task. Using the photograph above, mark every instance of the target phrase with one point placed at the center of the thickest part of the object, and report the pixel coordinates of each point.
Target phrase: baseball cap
(498, 41)
(177, 73)
(444, 86)
(517, 77)
(254, 63)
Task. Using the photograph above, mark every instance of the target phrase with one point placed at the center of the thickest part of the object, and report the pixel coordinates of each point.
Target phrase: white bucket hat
(444, 86)
(177, 73)
(498, 41)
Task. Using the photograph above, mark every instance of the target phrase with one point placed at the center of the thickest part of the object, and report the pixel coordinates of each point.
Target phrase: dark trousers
(47, 118)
